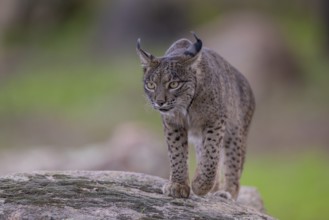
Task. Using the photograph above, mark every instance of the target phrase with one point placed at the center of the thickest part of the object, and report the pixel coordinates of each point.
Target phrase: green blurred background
(71, 92)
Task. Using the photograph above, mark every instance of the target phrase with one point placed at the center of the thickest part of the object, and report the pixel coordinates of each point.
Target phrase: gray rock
(112, 195)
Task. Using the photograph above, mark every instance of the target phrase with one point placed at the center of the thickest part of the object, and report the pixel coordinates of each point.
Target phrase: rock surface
(112, 195)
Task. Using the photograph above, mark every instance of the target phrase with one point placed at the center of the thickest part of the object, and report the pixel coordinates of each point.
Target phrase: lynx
(203, 99)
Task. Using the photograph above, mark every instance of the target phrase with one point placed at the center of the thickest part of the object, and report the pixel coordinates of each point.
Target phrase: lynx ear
(146, 58)
(193, 50)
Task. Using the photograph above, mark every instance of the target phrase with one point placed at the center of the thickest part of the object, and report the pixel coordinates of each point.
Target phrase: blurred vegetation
(294, 186)
(64, 81)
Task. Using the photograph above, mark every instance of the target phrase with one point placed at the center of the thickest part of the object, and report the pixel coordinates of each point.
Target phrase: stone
(112, 195)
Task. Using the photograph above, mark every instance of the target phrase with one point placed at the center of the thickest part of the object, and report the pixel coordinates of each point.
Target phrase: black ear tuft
(138, 44)
(195, 48)
(198, 44)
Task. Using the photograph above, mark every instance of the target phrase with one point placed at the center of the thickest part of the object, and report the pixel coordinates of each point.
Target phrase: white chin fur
(175, 112)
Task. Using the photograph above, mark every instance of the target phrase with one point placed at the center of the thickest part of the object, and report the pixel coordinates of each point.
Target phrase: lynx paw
(201, 187)
(222, 194)
(176, 190)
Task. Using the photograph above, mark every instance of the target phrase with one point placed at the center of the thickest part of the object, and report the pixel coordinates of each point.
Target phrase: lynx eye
(173, 85)
(150, 85)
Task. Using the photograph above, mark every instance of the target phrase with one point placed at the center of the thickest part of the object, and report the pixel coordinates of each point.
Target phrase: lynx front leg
(208, 152)
(178, 186)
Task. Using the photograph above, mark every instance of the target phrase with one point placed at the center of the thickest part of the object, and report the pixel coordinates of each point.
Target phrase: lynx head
(169, 81)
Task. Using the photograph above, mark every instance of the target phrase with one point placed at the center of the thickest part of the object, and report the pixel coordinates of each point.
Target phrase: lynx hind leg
(219, 182)
(234, 153)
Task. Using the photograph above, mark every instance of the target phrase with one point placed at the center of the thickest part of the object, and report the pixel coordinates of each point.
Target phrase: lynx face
(169, 87)
(168, 81)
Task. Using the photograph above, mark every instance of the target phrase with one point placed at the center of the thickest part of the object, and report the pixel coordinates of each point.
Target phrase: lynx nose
(160, 103)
